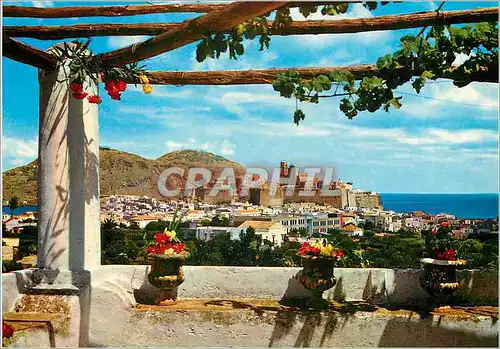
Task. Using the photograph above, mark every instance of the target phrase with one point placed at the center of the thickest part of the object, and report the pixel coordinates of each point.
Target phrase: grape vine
(213, 45)
(428, 56)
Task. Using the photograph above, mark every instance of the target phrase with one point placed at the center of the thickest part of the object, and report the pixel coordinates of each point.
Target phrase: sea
(480, 206)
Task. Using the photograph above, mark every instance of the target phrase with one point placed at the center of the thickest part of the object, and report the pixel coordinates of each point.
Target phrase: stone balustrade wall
(111, 312)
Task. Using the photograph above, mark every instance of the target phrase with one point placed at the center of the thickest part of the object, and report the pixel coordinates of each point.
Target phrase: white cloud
(19, 151)
(164, 91)
(224, 148)
(425, 136)
(116, 42)
(461, 58)
(445, 98)
(464, 136)
(470, 94)
(326, 40)
(42, 3)
(432, 5)
(355, 11)
(175, 145)
(288, 129)
(227, 148)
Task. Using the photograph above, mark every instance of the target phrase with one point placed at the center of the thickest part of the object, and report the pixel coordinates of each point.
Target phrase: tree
(134, 226)
(156, 226)
(109, 224)
(205, 222)
(368, 234)
(13, 204)
(302, 232)
(220, 221)
(367, 225)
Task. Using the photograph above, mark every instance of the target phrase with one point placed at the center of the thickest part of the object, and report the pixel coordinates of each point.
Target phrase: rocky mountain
(121, 173)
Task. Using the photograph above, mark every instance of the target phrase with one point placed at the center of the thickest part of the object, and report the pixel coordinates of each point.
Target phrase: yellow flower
(170, 234)
(147, 89)
(448, 285)
(143, 79)
(170, 251)
(317, 245)
(326, 250)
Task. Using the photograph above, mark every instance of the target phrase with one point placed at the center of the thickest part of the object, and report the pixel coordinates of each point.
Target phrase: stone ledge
(54, 289)
(266, 323)
(266, 305)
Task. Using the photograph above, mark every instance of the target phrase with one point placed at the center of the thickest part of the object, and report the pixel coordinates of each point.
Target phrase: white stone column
(68, 182)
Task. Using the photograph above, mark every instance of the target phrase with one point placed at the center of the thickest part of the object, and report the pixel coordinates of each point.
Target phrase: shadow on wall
(148, 294)
(286, 320)
(295, 291)
(476, 287)
(48, 229)
(330, 321)
(404, 333)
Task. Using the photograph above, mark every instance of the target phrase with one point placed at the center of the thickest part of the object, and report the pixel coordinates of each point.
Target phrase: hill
(121, 173)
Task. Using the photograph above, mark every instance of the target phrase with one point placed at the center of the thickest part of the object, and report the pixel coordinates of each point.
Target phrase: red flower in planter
(94, 99)
(314, 250)
(304, 248)
(445, 224)
(449, 254)
(7, 330)
(151, 250)
(178, 248)
(339, 252)
(161, 238)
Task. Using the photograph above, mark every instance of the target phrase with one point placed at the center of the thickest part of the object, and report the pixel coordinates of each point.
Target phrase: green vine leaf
(298, 116)
(428, 56)
(213, 47)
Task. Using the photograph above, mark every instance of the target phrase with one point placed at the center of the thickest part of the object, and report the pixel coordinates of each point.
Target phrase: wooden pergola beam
(118, 11)
(105, 11)
(267, 76)
(246, 77)
(23, 53)
(392, 22)
(189, 31)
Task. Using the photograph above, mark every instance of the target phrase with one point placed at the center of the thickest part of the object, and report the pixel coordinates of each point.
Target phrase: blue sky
(447, 143)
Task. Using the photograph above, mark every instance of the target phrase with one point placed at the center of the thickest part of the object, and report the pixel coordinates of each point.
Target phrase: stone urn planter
(166, 274)
(317, 276)
(439, 278)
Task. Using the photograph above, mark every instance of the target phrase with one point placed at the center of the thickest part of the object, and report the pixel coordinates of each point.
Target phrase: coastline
(462, 206)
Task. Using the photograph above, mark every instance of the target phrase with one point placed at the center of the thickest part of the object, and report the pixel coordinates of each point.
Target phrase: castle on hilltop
(291, 186)
(293, 183)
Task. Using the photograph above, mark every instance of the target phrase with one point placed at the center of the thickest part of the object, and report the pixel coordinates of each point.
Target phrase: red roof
(351, 227)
